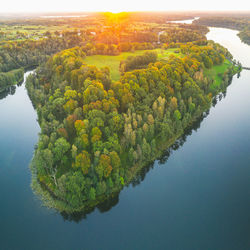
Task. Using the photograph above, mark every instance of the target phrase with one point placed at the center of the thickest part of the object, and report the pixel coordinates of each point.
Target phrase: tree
(60, 149)
(116, 123)
(96, 134)
(115, 160)
(177, 115)
(82, 161)
(153, 148)
(79, 126)
(104, 167)
(69, 125)
(70, 94)
(146, 150)
(92, 194)
(75, 188)
(150, 119)
(131, 156)
(44, 161)
(74, 151)
(173, 103)
(70, 106)
(101, 188)
(84, 141)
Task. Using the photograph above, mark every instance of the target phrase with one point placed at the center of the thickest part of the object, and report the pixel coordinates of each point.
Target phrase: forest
(14, 77)
(15, 56)
(97, 134)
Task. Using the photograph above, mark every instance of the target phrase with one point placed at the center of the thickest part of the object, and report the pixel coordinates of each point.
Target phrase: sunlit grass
(113, 62)
(217, 72)
(24, 32)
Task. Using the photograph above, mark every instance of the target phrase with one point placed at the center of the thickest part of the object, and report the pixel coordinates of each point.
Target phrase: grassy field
(113, 62)
(23, 32)
(216, 73)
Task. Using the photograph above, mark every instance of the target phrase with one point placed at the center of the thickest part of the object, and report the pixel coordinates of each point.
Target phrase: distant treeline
(241, 24)
(181, 33)
(15, 56)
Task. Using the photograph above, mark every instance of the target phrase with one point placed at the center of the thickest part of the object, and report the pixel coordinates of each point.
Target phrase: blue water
(197, 198)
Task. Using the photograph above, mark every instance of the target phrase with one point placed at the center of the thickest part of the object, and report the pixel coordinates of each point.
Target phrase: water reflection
(103, 207)
(8, 91)
(11, 90)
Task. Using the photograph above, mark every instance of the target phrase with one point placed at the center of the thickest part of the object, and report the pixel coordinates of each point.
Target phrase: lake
(187, 21)
(196, 197)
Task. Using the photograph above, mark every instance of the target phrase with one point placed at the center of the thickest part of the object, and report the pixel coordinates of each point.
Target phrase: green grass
(217, 72)
(113, 62)
(29, 31)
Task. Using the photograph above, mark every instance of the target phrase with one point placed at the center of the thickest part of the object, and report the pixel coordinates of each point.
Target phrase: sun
(115, 11)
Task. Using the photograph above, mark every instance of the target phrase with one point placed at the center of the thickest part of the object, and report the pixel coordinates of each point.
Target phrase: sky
(119, 5)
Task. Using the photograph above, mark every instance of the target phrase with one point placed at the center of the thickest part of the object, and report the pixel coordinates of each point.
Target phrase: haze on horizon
(21, 6)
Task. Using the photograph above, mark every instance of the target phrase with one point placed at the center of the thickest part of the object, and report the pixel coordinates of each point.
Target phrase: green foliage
(96, 134)
(177, 115)
(137, 62)
(82, 161)
(238, 23)
(73, 186)
(11, 78)
(92, 194)
(113, 62)
(60, 149)
(15, 56)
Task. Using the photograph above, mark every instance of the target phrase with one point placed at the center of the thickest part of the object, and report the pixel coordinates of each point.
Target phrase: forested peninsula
(112, 93)
(96, 133)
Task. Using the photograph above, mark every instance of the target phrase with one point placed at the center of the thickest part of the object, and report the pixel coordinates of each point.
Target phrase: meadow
(31, 32)
(217, 72)
(113, 62)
